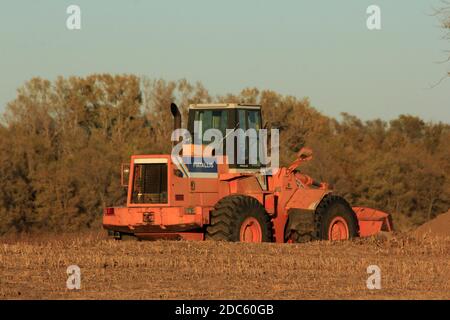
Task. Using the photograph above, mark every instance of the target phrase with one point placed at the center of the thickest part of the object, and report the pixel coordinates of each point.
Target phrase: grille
(150, 183)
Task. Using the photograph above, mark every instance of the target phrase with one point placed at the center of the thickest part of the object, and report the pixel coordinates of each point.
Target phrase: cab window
(211, 119)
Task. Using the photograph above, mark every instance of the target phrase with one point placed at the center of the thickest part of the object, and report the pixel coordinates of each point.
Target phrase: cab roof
(224, 106)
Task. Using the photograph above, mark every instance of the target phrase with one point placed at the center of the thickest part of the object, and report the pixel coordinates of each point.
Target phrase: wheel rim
(250, 231)
(338, 229)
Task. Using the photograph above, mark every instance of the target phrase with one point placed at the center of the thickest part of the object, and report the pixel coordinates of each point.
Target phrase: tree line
(62, 143)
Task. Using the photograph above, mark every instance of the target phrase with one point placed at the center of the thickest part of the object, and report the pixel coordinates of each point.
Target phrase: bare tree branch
(443, 15)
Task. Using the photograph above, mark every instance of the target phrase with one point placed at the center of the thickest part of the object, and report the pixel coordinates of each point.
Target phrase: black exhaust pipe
(176, 116)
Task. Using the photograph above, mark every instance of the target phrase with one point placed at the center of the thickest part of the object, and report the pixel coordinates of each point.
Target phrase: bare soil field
(35, 268)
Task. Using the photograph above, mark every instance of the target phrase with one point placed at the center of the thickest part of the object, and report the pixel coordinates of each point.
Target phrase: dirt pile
(438, 227)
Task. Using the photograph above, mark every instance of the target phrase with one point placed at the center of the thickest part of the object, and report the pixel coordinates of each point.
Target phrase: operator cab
(231, 116)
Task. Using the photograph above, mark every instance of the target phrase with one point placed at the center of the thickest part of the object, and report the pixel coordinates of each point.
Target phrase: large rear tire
(239, 218)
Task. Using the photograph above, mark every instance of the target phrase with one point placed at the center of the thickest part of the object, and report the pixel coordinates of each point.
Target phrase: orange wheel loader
(230, 200)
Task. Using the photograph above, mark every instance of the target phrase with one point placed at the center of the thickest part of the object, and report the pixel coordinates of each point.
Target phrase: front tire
(239, 218)
(336, 220)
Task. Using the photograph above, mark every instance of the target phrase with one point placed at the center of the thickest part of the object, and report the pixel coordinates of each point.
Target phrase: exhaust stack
(176, 116)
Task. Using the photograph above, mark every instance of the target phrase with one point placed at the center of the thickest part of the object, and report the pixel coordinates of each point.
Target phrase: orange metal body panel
(306, 198)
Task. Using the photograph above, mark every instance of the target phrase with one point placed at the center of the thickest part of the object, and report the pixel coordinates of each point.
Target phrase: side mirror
(125, 174)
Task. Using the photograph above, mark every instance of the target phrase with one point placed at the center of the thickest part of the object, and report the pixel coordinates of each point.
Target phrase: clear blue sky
(320, 49)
